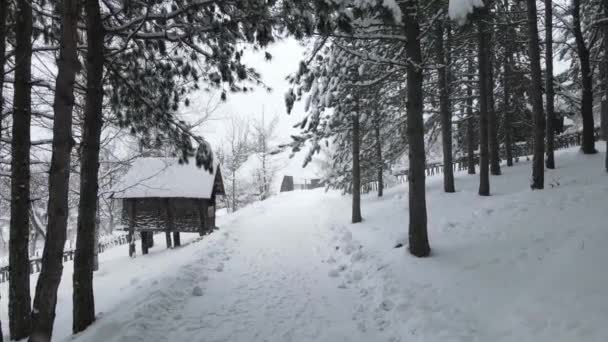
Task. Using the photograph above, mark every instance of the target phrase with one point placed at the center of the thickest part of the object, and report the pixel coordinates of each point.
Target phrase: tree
(19, 272)
(483, 60)
(83, 297)
(45, 301)
(418, 236)
(263, 133)
(238, 151)
(445, 105)
(536, 98)
(550, 92)
(356, 140)
(604, 108)
(588, 143)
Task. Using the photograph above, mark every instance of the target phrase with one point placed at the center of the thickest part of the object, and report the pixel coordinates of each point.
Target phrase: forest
(390, 89)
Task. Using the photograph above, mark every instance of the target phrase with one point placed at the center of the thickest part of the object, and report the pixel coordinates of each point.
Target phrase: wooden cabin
(161, 195)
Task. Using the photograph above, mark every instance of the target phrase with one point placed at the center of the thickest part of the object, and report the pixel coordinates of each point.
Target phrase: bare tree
(263, 133)
(235, 155)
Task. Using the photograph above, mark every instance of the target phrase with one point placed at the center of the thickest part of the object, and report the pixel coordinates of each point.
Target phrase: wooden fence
(521, 149)
(36, 263)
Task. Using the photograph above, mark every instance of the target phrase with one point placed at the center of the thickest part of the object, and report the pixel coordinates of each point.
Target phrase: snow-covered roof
(165, 177)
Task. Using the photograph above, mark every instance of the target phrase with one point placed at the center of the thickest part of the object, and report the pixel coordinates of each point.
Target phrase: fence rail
(36, 263)
(521, 149)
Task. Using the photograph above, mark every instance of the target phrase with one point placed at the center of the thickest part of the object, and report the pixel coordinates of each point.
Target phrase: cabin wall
(151, 214)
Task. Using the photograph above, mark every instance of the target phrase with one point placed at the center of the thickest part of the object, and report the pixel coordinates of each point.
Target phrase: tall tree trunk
(507, 107)
(84, 300)
(493, 145)
(45, 301)
(3, 31)
(538, 172)
(356, 214)
(445, 108)
(588, 143)
(470, 119)
(550, 93)
(3, 10)
(19, 270)
(605, 82)
(379, 159)
(418, 236)
(484, 66)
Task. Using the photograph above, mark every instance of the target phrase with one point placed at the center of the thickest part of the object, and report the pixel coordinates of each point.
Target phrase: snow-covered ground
(520, 265)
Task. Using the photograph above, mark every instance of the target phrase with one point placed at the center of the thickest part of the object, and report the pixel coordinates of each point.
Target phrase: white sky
(287, 55)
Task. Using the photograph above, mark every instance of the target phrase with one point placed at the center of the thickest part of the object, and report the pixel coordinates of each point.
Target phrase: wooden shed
(161, 195)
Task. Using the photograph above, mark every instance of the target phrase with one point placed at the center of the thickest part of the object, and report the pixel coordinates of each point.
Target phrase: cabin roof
(165, 178)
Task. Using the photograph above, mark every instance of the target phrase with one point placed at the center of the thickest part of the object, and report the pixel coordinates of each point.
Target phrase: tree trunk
(3, 31)
(418, 236)
(445, 109)
(493, 144)
(84, 301)
(484, 66)
(550, 93)
(379, 159)
(470, 120)
(588, 143)
(507, 108)
(45, 301)
(538, 180)
(604, 117)
(19, 270)
(356, 217)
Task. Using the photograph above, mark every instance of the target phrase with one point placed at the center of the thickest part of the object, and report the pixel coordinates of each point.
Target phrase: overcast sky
(286, 57)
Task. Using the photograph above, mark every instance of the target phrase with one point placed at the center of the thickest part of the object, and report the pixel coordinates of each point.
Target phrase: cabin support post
(144, 242)
(202, 209)
(169, 227)
(150, 239)
(176, 240)
(131, 236)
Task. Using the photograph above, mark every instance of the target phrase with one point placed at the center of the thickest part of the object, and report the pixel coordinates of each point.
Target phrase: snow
(165, 177)
(458, 10)
(519, 265)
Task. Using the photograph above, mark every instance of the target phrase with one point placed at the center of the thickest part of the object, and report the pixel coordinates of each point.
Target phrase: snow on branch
(459, 9)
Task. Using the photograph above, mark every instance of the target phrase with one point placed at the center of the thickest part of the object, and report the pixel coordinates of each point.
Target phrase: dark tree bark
(3, 15)
(45, 301)
(493, 145)
(379, 159)
(84, 302)
(550, 93)
(418, 236)
(605, 82)
(538, 172)
(484, 66)
(507, 108)
(444, 107)
(356, 217)
(588, 143)
(19, 270)
(470, 119)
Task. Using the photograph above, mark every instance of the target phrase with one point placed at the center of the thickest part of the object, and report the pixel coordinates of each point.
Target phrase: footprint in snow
(220, 267)
(197, 291)
(334, 273)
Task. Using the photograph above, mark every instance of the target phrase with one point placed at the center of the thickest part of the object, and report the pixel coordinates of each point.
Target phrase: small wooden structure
(162, 195)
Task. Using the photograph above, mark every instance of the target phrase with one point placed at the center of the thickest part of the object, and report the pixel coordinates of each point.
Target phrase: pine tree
(19, 271)
(536, 98)
(45, 301)
(588, 143)
(550, 92)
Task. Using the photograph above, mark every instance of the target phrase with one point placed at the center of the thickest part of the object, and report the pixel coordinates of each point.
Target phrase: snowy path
(271, 283)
